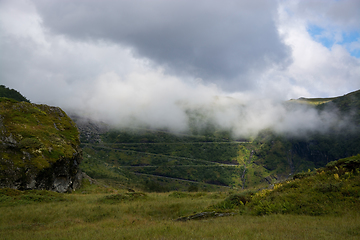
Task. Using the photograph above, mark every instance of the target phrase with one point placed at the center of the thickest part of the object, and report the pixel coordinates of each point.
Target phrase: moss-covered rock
(39, 147)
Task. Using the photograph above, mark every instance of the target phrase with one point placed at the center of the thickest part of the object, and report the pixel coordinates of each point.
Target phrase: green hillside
(209, 163)
(161, 161)
(164, 161)
(334, 190)
(12, 94)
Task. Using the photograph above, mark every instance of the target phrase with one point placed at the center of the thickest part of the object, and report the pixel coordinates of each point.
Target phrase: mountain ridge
(264, 160)
(148, 159)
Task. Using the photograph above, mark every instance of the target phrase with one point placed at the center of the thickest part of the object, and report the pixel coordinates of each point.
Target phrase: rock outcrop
(39, 147)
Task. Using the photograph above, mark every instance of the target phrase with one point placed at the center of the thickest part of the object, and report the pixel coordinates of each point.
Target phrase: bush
(302, 175)
(234, 201)
(264, 208)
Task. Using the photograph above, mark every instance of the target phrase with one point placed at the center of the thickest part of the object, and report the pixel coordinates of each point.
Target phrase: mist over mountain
(211, 140)
(224, 142)
(244, 115)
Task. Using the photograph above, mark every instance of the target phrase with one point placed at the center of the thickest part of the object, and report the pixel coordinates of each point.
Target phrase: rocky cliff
(39, 147)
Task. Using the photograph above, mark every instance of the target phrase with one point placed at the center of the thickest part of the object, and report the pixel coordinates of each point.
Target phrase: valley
(141, 183)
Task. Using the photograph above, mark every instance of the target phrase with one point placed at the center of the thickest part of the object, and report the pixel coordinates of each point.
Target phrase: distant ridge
(12, 94)
(348, 98)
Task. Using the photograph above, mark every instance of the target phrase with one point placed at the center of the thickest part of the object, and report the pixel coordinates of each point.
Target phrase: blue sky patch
(320, 35)
(349, 38)
(317, 32)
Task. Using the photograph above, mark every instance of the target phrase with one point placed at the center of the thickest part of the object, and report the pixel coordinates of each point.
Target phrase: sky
(150, 61)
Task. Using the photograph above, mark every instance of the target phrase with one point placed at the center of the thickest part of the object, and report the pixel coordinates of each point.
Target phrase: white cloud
(316, 71)
(105, 80)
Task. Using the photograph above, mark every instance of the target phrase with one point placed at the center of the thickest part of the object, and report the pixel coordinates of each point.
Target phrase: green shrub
(328, 187)
(264, 208)
(234, 201)
(302, 175)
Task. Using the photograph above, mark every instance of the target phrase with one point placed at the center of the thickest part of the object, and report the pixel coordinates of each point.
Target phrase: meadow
(319, 204)
(98, 212)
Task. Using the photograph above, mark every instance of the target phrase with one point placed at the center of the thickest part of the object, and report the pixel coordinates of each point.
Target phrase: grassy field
(324, 204)
(104, 213)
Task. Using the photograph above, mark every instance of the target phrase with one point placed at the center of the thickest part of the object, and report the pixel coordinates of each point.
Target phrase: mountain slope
(163, 161)
(153, 157)
(334, 190)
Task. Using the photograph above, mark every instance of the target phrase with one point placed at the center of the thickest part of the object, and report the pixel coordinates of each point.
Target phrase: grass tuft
(123, 197)
(10, 196)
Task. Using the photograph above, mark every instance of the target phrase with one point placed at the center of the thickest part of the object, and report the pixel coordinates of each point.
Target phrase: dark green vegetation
(333, 190)
(33, 140)
(161, 161)
(341, 141)
(12, 94)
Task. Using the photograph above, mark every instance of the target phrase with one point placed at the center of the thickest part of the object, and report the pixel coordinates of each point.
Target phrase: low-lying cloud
(157, 101)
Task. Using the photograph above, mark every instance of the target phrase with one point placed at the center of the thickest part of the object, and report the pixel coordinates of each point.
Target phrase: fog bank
(158, 101)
